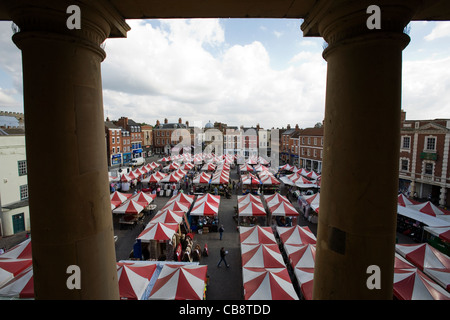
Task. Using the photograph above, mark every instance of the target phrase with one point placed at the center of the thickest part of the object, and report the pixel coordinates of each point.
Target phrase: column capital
(342, 20)
(39, 19)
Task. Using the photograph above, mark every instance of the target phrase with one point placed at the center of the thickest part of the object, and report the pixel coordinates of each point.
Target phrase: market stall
(180, 282)
(131, 212)
(159, 240)
(296, 235)
(134, 280)
(429, 260)
(10, 268)
(20, 251)
(204, 214)
(117, 198)
(251, 212)
(256, 235)
(413, 284)
(261, 256)
(310, 205)
(21, 286)
(267, 284)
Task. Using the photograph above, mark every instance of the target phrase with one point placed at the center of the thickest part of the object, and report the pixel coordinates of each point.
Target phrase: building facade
(311, 149)
(14, 210)
(162, 135)
(136, 135)
(424, 159)
(114, 149)
(147, 140)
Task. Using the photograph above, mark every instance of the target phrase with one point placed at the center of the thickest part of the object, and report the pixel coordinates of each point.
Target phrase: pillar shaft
(70, 213)
(357, 219)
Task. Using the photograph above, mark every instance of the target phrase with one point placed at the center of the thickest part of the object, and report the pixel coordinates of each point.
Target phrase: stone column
(71, 221)
(358, 203)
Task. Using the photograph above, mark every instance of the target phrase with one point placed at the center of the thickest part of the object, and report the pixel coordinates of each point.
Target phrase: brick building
(311, 149)
(162, 135)
(113, 135)
(136, 135)
(147, 140)
(424, 158)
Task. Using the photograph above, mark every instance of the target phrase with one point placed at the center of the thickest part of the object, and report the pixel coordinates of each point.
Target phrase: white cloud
(426, 88)
(441, 30)
(187, 69)
(277, 33)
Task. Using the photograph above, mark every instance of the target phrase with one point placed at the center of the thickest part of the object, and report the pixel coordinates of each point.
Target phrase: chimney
(187, 123)
(179, 121)
(403, 116)
(166, 121)
(157, 123)
(296, 127)
(288, 126)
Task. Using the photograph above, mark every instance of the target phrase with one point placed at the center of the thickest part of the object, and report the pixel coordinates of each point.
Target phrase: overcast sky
(236, 71)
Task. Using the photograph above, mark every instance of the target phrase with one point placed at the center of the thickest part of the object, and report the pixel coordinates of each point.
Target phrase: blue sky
(237, 71)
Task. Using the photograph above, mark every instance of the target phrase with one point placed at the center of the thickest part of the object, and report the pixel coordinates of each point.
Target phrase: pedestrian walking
(223, 253)
(221, 230)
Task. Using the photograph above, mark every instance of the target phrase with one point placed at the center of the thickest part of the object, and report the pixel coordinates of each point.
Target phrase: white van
(137, 161)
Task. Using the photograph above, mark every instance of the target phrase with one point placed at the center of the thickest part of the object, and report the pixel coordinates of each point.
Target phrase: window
(113, 140)
(404, 165)
(24, 192)
(113, 150)
(303, 140)
(430, 143)
(308, 152)
(321, 141)
(406, 142)
(118, 149)
(303, 151)
(315, 141)
(309, 141)
(315, 153)
(429, 168)
(118, 140)
(22, 167)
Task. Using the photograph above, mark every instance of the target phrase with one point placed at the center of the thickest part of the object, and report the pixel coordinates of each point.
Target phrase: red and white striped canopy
(144, 199)
(404, 201)
(202, 178)
(134, 279)
(9, 268)
(251, 209)
(267, 284)
(313, 201)
(283, 209)
(242, 200)
(168, 216)
(428, 208)
(261, 256)
(129, 207)
(301, 256)
(117, 198)
(155, 177)
(20, 251)
(296, 235)
(269, 179)
(180, 282)
(185, 199)
(441, 232)
(158, 231)
(256, 235)
(176, 206)
(21, 286)
(423, 256)
(211, 199)
(205, 208)
(412, 284)
(305, 279)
